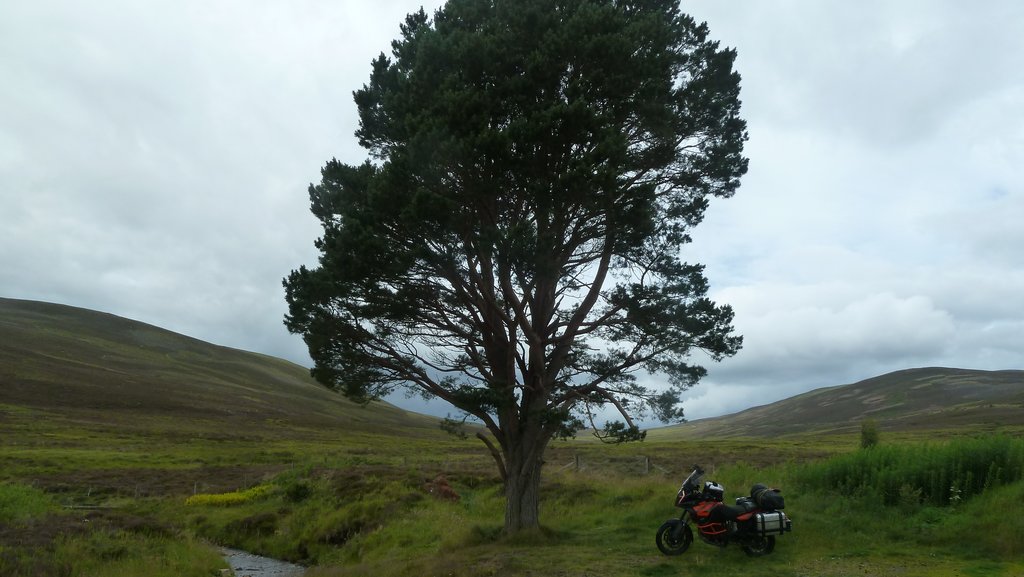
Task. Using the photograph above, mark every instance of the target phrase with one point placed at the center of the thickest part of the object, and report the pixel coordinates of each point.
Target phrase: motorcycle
(753, 522)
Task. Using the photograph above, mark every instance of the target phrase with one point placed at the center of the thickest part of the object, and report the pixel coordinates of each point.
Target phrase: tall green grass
(938, 474)
(40, 539)
(989, 524)
(118, 553)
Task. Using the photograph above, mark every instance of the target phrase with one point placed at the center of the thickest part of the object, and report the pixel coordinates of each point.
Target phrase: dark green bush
(868, 433)
(297, 491)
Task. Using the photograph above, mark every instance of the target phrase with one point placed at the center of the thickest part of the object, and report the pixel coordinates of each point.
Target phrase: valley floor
(82, 498)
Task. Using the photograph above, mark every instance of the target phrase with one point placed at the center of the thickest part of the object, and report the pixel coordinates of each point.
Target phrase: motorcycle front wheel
(759, 546)
(674, 537)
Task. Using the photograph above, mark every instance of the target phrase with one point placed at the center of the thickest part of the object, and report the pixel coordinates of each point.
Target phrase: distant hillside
(74, 361)
(914, 399)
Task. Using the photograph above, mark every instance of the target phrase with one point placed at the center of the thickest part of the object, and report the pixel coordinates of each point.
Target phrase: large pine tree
(513, 243)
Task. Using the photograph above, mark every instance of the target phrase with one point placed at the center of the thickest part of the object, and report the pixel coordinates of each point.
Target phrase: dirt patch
(440, 489)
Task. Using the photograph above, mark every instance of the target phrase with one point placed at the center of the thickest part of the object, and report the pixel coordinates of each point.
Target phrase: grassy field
(87, 500)
(129, 451)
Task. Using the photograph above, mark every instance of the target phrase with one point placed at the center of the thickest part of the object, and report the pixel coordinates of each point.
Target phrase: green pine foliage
(514, 242)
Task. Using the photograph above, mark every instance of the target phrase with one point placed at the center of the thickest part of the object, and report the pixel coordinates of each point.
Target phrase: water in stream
(249, 565)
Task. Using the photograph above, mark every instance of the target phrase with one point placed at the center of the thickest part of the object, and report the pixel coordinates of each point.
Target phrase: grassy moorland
(380, 506)
(222, 447)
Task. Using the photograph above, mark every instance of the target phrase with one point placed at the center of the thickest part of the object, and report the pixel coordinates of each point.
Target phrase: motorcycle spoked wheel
(674, 537)
(760, 546)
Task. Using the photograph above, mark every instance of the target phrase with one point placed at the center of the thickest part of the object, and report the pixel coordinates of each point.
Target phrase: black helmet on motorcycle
(713, 490)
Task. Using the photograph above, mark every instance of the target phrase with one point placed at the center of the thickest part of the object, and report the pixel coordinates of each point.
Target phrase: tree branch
(495, 454)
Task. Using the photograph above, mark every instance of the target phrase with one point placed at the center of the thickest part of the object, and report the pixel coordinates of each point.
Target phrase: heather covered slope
(77, 362)
(74, 361)
(920, 399)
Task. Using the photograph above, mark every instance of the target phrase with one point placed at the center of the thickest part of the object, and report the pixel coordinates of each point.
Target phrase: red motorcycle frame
(753, 522)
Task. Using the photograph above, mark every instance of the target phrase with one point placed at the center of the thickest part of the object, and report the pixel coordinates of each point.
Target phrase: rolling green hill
(73, 361)
(924, 399)
(76, 362)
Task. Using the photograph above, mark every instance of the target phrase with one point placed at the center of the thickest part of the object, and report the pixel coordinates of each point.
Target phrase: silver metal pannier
(773, 523)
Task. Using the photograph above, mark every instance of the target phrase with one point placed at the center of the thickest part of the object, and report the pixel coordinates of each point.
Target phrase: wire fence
(631, 465)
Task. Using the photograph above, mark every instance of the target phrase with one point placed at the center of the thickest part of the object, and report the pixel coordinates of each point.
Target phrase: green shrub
(297, 491)
(868, 433)
(937, 474)
(19, 502)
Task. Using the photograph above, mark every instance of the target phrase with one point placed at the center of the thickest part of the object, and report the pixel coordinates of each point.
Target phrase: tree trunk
(522, 494)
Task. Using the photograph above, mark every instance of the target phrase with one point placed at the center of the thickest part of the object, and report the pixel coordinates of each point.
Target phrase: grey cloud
(154, 159)
(885, 73)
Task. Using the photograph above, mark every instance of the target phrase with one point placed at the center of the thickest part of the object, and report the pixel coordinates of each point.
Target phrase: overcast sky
(155, 155)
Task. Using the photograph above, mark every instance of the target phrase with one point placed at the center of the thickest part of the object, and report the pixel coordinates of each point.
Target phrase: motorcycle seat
(725, 512)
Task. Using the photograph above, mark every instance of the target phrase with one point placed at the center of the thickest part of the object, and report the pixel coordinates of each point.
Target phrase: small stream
(249, 565)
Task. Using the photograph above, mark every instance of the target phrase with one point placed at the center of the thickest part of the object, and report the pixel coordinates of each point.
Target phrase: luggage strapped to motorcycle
(770, 499)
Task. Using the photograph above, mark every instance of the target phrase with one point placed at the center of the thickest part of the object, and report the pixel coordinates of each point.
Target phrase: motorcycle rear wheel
(674, 537)
(759, 546)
